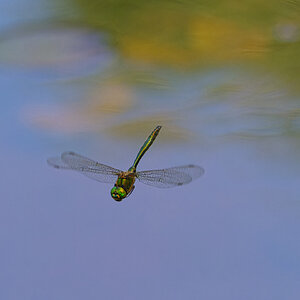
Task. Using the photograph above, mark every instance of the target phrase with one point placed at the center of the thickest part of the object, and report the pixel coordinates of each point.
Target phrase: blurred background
(95, 77)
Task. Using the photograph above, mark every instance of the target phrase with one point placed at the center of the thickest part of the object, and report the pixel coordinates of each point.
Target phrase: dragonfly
(124, 180)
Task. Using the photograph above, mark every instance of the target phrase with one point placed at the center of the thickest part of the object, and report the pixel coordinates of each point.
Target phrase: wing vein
(86, 166)
(171, 177)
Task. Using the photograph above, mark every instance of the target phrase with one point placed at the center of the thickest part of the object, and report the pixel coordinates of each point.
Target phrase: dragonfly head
(118, 193)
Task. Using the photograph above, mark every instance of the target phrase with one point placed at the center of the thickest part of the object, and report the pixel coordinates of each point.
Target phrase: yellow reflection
(137, 128)
(102, 108)
(218, 40)
(201, 40)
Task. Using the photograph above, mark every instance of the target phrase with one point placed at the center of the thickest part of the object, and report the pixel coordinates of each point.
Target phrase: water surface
(95, 77)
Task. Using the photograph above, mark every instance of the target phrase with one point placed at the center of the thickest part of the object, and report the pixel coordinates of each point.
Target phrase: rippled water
(96, 77)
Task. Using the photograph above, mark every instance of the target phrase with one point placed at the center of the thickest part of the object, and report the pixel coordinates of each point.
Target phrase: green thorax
(123, 186)
(125, 182)
(145, 147)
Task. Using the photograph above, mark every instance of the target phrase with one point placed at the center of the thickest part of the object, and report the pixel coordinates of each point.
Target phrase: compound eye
(118, 193)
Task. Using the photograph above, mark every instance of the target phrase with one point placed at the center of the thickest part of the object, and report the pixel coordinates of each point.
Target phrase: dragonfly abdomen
(146, 146)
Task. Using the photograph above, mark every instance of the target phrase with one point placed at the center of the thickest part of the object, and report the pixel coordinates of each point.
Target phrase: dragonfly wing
(86, 166)
(57, 163)
(166, 178)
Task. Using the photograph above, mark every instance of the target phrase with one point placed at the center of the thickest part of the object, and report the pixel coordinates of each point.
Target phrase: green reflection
(212, 68)
(197, 34)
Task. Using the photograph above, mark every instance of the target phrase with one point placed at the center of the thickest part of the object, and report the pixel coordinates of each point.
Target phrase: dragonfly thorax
(124, 185)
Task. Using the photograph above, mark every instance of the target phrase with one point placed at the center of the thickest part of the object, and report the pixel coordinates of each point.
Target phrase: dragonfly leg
(131, 191)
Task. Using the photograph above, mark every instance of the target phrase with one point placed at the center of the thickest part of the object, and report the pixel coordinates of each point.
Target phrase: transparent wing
(166, 178)
(86, 166)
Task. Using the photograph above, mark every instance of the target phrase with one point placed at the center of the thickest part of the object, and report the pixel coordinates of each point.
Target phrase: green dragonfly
(124, 180)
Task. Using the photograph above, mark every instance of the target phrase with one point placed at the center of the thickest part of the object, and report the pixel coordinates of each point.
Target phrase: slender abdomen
(145, 146)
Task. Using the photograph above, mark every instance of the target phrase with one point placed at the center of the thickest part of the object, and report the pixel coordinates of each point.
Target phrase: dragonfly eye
(118, 193)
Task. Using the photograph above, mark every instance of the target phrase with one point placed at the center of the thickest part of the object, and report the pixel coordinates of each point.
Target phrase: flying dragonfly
(124, 180)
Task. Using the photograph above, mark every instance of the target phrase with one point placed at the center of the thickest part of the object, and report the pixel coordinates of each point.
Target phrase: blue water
(232, 234)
